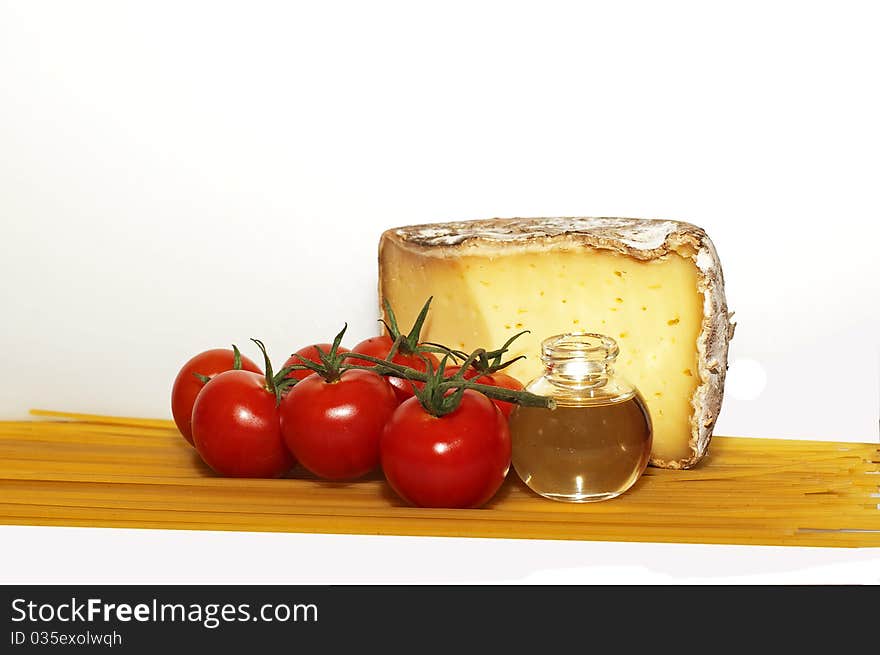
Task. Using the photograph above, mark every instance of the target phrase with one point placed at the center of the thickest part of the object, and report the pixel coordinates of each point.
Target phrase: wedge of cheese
(654, 286)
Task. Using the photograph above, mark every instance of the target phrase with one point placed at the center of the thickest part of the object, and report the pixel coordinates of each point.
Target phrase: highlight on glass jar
(596, 443)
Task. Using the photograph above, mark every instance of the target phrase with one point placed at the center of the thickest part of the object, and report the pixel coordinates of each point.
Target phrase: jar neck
(578, 374)
(579, 360)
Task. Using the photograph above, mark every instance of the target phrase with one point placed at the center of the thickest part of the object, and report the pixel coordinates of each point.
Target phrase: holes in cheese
(638, 281)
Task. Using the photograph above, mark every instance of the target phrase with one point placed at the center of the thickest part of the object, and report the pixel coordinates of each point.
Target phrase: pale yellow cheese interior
(653, 309)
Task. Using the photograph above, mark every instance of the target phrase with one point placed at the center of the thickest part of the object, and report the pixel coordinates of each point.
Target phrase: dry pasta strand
(113, 471)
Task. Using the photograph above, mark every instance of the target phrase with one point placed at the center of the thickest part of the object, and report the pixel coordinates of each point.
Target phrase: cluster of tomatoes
(343, 413)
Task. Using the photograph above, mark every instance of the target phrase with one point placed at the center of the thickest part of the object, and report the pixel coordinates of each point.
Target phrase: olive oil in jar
(596, 443)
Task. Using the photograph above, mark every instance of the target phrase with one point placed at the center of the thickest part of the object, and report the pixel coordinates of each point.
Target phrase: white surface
(177, 176)
(101, 556)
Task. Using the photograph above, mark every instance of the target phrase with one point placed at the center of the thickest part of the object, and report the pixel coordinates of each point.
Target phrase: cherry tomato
(187, 386)
(452, 369)
(456, 460)
(310, 353)
(334, 428)
(380, 347)
(497, 379)
(236, 428)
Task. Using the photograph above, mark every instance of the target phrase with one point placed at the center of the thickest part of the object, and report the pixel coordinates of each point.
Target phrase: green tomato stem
(442, 386)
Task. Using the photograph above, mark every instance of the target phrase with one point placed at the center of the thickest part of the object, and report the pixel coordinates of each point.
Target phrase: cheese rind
(655, 286)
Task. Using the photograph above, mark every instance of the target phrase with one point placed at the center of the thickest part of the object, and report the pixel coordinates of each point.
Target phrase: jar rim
(587, 346)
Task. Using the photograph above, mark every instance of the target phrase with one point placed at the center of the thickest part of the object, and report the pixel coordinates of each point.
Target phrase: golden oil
(596, 443)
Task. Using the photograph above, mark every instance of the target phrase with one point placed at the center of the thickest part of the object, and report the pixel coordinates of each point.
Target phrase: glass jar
(597, 442)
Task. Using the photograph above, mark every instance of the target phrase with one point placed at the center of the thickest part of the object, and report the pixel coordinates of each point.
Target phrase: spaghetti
(85, 470)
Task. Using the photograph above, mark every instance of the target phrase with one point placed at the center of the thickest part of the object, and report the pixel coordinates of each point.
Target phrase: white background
(178, 176)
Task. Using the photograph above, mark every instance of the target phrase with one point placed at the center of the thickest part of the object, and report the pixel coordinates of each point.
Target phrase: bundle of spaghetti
(104, 471)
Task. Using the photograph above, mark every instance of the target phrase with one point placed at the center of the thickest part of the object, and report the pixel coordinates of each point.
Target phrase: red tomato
(452, 369)
(236, 427)
(310, 353)
(380, 347)
(497, 379)
(187, 386)
(456, 460)
(334, 428)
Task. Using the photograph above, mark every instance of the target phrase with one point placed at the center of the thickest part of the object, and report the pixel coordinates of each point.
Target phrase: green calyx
(407, 344)
(436, 397)
(330, 367)
(276, 384)
(481, 361)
